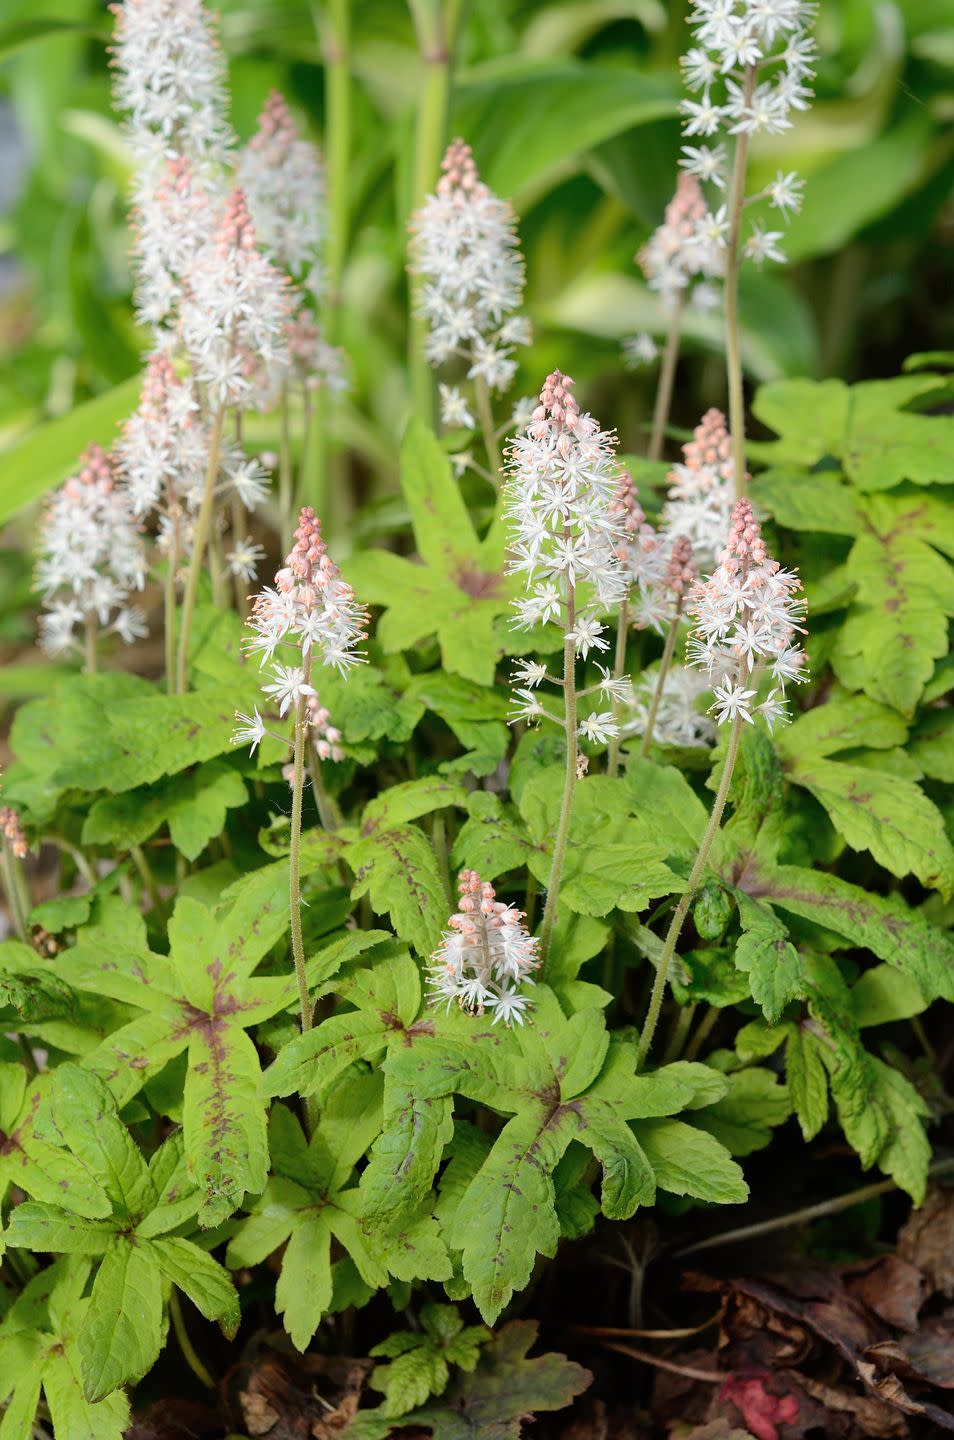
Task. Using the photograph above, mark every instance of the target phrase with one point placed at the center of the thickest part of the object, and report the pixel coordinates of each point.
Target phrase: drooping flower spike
(485, 956)
(748, 616)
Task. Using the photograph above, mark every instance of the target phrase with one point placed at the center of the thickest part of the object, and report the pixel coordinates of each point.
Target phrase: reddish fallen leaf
(762, 1411)
(926, 1356)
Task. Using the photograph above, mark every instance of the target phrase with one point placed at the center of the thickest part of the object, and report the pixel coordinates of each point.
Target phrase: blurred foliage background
(571, 110)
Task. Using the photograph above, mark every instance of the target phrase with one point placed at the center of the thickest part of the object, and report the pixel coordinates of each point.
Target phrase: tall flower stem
(685, 900)
(286, 480)
(328, 812)
(18, 914)
(239, 525)
(90, 660)
(664, 386)
(203, 526)
(436, 24)
(733, 358)
(486, 416)
(294, 857)
(569, 783)
(169, 595)
(333, 24)
(619, 665)
(664, 665)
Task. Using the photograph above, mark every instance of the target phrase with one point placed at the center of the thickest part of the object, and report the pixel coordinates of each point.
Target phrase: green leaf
(194, 807)
(849, 722)
(686, 1161)
(459, 589)
(806, 1080)
(806, 502)
(406, 1155)
(932, 744)
(398, 870)
(197, 1275)
(224, 1117)
(743, 1121)
(410, 1379)
(401, 803)
(766, 954)
(883, 995)
(85, 1115)
(304, 1290)
(517, 107)
(507, 1216)
(49, 454)
(123, 1332)
(880, 924)
(492, 840)
(663, 795)
(885, 814)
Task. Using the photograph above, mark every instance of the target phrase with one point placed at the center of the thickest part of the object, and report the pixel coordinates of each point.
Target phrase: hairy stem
(486, 416)
(664, 385)
(685, 900)
(619, 665)
(203, 526)
(703, 1030)
(569, 783)
(733, 359)
(294, 857)
(664, 665)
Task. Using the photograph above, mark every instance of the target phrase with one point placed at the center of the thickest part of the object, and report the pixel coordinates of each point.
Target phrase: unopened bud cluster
(485, 956)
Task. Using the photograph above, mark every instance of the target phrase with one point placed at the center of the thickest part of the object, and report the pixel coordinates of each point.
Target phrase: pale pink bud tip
(12, 831)
(460, 172)
(682, 570)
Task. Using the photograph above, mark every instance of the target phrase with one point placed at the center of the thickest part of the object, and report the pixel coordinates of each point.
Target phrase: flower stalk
(664, 664)
(569, 781)
(667, 376)
(733, 355)
(203, 527)
(685, 900)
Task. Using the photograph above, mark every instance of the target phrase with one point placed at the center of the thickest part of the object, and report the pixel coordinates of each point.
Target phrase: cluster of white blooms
(282, 177)
(749, 67)
(562, 481)
(680, 250)
(747, 616)
(170, 79)
(485, 955)
(702, 491)
(679, 719)
(163, 455)
(310, 608)
(90, 557)
(171, 218)
(639, 350)
(658, 565)
(234, 315)
(464, 247)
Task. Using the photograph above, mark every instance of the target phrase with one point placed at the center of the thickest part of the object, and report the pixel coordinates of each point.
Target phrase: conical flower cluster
(464, 246)
(747, 618)
(283, 181)
(678, 251)
(91, 557)
(702, 491)
(486, 954)
(12, 831)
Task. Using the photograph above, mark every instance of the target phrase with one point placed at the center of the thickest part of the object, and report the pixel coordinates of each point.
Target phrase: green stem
(704, 1029)
(203, 526)
(486, 416)
(810, 1212)
(667, 375)
(664, 665)
(185, 1344)
(26, 1050)
(294, 859)
(333, 24)
(679, 1032)
(569, 783)
(14, 901)
(733, 358)
(90, 653)
(147, 877)
(169, 594)
(328, 812)
(619, 665)
(439, 842)
(436, 42)
(239, 527)
(286, 483)
(685, 900)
